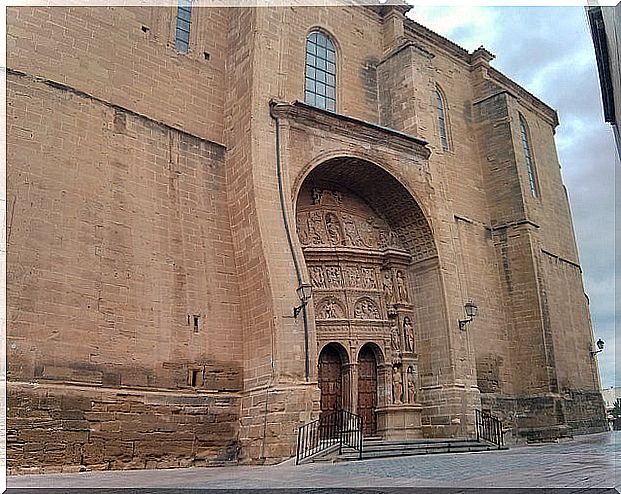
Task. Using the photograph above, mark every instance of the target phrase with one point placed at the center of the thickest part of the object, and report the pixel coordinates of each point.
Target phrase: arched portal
(331, 382)
(371, 259)
(367, 390)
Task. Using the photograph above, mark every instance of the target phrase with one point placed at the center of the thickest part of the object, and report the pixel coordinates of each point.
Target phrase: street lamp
(471, 310)
(600, 346)
(304, 292)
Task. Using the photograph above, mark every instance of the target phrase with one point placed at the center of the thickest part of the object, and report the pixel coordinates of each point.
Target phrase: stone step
(387, 449)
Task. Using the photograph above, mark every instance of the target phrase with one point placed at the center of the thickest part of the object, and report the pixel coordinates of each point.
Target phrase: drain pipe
(280, 162)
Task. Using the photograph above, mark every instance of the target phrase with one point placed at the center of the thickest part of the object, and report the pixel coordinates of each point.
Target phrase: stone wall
(59, 428)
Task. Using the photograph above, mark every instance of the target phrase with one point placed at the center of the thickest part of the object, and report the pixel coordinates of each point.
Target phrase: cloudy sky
(549, 51)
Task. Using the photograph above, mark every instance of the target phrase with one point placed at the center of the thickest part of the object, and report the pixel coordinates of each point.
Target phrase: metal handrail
(339, 427)
(489, 428)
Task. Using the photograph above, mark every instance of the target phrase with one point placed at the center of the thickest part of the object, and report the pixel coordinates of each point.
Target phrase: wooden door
(367, 390)
(330, 380)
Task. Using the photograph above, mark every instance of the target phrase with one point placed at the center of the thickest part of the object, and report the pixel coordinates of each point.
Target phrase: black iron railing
(333, 429)
(489, 428)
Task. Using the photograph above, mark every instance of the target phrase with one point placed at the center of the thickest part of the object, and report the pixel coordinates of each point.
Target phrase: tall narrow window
(182, 33)
(442, 120)
(528, 156)
(320, 77)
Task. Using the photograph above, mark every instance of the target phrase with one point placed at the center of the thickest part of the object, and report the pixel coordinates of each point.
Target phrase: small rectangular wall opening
(196, 320)
(193, 377)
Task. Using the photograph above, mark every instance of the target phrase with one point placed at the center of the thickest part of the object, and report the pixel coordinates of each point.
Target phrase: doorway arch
(373, 264)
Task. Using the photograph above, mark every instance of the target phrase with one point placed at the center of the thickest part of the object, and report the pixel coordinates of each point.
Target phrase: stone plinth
(399, 422)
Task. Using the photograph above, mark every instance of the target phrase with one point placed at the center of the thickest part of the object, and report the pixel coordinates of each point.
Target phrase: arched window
(320, 75)
(442, 124)
(528, 157)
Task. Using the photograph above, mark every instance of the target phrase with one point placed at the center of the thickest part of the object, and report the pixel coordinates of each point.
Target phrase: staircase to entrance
(338, 436)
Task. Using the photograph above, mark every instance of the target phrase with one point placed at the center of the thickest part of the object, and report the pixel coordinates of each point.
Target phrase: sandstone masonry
(164, 207)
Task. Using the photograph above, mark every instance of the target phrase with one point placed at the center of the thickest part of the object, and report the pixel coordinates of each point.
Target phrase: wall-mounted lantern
(471, 312)
(600, 346)
(304, 292)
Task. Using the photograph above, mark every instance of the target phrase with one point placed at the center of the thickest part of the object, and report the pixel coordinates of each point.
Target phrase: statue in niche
(317, 278)
(333, 276)
(411, 379)
(316, 194)
(408, 334)
(397, 386)
(315, 228)
(389, 289)
(333, 227)
(395, 339)
(401, 288)
(351, 231)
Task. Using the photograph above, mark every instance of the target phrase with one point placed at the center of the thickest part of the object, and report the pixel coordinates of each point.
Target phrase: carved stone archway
(361, 232)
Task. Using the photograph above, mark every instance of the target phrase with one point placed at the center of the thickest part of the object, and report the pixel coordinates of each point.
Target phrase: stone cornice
(350, 126)
(523, 96)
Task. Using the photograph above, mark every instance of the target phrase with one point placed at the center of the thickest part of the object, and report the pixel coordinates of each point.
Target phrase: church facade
(223, 222)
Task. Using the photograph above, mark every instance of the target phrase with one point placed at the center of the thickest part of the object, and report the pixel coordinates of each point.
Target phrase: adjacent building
(605, 24)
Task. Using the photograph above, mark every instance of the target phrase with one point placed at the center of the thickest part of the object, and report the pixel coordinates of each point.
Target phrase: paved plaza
(583, 463)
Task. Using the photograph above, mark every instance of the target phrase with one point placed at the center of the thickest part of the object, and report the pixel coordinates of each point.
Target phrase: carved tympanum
(365, 308)
(330, 308)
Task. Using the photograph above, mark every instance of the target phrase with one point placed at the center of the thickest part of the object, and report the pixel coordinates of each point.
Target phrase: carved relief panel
(348, 246)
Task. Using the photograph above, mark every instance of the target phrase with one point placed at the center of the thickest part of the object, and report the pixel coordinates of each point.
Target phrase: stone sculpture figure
(354, 277)
(333, 227)
(302, 229)
(329, 309)
(389, 289)
(401, 288)
(411, 385)
(368, 278)
(395, 341)
(408, 334)
(397, 386)
(315, 228)
(351, 231)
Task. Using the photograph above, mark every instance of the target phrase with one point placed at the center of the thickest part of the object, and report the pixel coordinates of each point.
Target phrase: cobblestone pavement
(585, 462)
